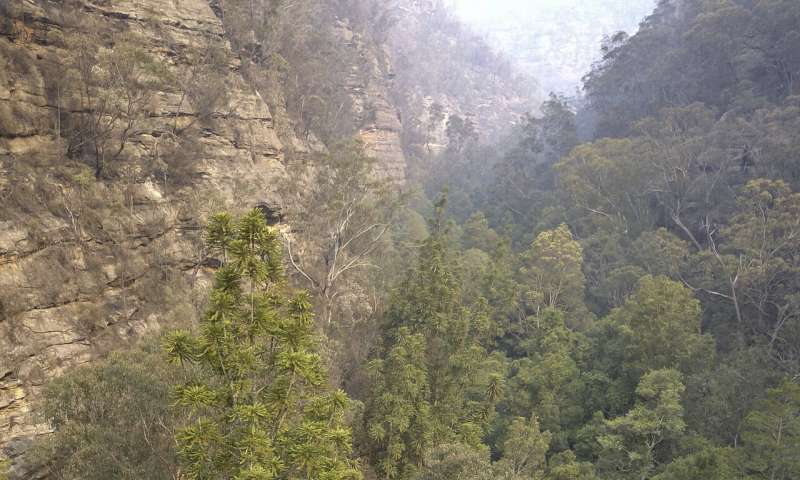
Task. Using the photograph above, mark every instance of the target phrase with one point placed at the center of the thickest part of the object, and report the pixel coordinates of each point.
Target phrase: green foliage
(451, 461)
(718, 400)
(547, 379)
(552, 274)
(660, 324)
(631, 445)
(685, 247)
(708, 464)
(679, 234)
(764, 235)
(111, 420)
(723, 54)
(564, 466)
(607, 184)
(524, 449)
(433, 382)
(399, 417)
(771, 435)
(263, 410)
(523, 177)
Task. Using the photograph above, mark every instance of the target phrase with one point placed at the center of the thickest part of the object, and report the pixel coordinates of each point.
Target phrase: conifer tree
(400, 412)
(264, 411)
(434, 383)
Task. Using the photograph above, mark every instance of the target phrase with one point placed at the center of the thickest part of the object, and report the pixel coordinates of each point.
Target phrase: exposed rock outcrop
(88, 265)
(98, 248)
(449, 66)
(378, 121)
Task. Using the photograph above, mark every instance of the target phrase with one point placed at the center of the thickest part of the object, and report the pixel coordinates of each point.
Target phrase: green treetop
(630, 444)
(661, 325)
(771, 435)
(552, 274)
(524, 450)
(263, 412)
(434, 384)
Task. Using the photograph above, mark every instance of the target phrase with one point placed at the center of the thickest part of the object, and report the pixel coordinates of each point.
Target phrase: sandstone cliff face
(90, 265)
(378, 120)
(449, 66)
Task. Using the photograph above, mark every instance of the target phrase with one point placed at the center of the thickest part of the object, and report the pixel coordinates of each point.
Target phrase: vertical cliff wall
(90, 264)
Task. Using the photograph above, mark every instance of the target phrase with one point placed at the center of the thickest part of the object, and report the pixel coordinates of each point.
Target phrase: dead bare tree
(340, 212)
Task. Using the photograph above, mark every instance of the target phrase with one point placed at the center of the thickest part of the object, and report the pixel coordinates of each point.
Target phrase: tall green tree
(764, 235)
(524, 450)
(607, 186)
(631, 444)
(552, 275)
(771, 435)
(263, 411)
(661, 325)
(547, 379)
(399, 419)
(432, 345)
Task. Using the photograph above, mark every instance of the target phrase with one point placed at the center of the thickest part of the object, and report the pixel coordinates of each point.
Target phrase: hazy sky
(554, 40)
(485, 11)
(479, 10)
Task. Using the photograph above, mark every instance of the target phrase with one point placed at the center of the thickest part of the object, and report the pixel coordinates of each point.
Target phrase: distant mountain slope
(554, 40)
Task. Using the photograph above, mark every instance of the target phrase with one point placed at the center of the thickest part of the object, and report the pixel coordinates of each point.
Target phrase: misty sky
(485, 10)
(554, 40)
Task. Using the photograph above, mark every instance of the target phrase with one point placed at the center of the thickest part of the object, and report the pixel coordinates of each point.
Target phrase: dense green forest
(611, 291)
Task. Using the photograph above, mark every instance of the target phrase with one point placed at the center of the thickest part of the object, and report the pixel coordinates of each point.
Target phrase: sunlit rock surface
(82, 273)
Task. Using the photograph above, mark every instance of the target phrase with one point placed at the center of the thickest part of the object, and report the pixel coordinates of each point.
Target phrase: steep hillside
(555, 40)
(451, 71)
(125, 124)
(90, 261)
(607, 293)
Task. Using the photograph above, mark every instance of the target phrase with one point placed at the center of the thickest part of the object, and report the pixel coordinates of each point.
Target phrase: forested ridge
(607, 290)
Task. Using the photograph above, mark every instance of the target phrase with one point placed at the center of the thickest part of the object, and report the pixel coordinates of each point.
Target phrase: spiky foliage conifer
(265, 412)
